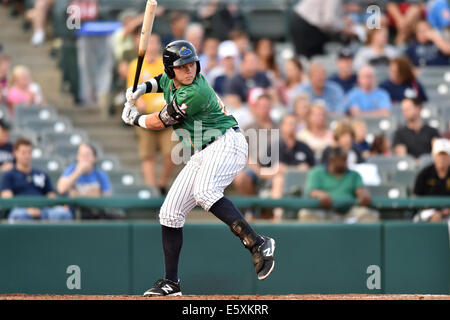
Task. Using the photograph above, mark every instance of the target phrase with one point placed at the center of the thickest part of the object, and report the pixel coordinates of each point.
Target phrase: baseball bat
(147, 25)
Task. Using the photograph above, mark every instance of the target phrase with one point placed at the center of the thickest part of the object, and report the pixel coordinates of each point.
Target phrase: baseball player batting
(217, 159)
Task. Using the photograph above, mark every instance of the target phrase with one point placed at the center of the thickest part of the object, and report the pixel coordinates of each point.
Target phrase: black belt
(235, 128)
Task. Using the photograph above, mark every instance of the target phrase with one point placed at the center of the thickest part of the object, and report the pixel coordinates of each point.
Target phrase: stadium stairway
(110, 133)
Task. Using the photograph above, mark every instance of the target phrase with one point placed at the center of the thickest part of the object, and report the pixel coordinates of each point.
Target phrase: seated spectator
(209, 58)
(38, 15)
(301, 108)
(403, 16)
(6, 148)
(238, 87)
(292, 154)
(259, 135)
(367, 100)
(317, 134)
(294, 78)
(434, 181)
(5, 63)
(318, 21)
(345, 76)
(320, 88)
(336, 181)
(178, 21)
(83, 179)
(24, 180)
(360, 143)
(376, 52)
(429, 48)
(227, 67)
(438, 14)
(381, 146)
(415, 138)
(265, 51)
(344, 137)
(23, 91)
(402, 81)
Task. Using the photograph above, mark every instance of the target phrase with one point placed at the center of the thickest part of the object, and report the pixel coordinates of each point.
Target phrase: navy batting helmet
(178, 53)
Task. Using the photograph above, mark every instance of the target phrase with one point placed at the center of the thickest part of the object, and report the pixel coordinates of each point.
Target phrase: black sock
(226, 211)
(172, 240)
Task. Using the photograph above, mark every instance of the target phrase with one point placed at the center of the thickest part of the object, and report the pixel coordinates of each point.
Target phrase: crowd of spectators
(298, 94)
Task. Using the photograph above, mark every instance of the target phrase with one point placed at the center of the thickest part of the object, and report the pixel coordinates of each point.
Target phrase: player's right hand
(133, 96)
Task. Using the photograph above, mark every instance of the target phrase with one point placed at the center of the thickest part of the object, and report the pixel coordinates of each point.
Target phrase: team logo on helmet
(184, 52)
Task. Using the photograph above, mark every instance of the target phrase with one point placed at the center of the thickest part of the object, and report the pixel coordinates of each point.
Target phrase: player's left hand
(129, 113)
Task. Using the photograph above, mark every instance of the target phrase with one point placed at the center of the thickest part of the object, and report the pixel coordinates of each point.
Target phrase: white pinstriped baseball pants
(204, 178)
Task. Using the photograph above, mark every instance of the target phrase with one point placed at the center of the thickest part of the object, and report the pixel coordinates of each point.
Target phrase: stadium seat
(108, 163)
(424, 161)
(379, 125)
(142, 192)
(54, 176)
(393, 163)
(15, 134)
(49, 164)
(265, 18)
(294, 182)
(75, 137)
(405, 179)
(123, 178)
(69, 151)
(4, 113)
(59, 125)
(23, 114)
(388, 191)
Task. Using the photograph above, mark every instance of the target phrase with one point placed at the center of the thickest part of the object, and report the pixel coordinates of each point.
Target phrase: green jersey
(206, 115)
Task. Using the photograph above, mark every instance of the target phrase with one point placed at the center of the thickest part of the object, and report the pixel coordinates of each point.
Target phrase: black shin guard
(245, 232)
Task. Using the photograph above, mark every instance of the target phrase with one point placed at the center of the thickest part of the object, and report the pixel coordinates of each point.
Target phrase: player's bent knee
(171, 222)
(206, 198)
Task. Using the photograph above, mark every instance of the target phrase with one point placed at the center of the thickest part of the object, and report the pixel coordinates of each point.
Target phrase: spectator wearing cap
(6, 148)
(367, 100)
(345, 76)
(320, 88)
(434, 180)
(124, 37)
(429, 48)
(335, 181)
(24, 180)
(402, 81)
(237, 88)
(226, 69)
(415, 138)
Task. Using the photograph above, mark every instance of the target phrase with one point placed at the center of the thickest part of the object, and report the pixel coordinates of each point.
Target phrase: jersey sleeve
(6, 182)
(190, 100)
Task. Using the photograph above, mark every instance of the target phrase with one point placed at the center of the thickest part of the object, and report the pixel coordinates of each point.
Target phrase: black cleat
(164, 287)
(263, 258)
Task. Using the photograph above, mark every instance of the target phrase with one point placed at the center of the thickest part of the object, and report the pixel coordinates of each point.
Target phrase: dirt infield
(230, 297)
